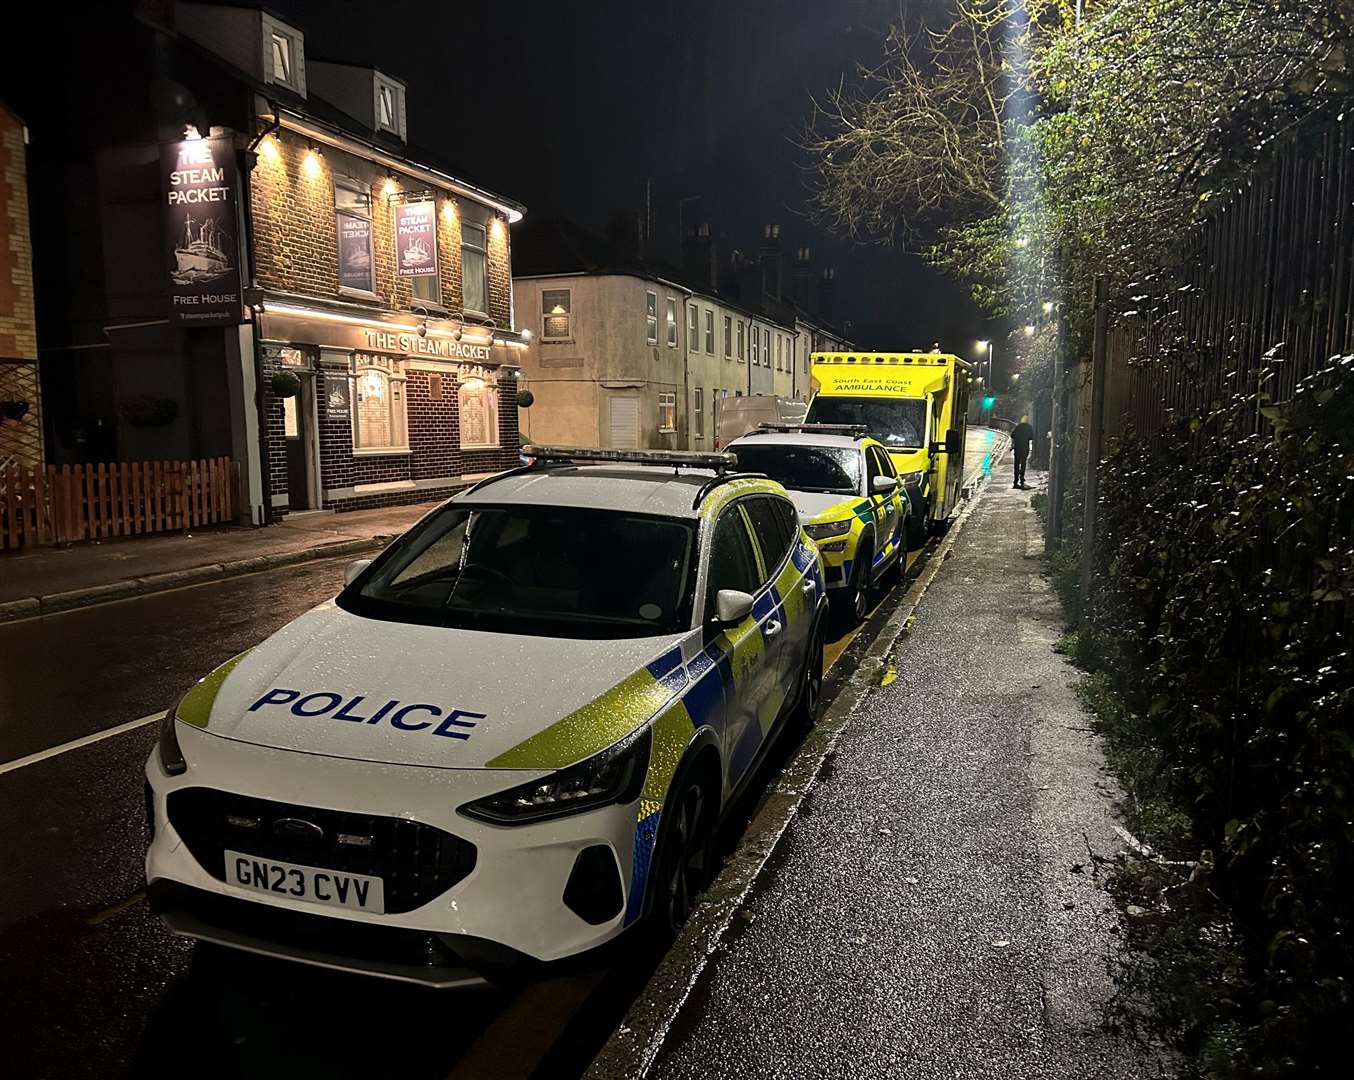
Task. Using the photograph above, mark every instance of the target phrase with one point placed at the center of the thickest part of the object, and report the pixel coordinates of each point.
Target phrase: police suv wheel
(686, 856)
(811, 681)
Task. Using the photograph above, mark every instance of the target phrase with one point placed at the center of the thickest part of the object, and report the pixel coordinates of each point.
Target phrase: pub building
(257, 265)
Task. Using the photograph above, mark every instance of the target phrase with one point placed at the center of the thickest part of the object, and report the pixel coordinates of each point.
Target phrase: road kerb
(33, 607)
(638, 1040)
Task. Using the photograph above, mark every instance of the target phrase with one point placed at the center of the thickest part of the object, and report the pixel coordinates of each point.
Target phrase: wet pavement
(935, 911)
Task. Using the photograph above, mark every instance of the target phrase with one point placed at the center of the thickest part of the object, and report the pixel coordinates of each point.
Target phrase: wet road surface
(96, 987)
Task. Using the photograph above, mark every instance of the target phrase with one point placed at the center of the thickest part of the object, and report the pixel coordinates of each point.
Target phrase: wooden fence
(50, 504)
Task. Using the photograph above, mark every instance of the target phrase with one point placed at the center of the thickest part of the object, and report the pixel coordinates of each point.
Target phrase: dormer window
(389, 106)
(284, 55)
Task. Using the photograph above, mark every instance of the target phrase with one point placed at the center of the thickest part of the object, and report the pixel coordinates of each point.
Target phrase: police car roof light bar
(854, 430)
(681, 459)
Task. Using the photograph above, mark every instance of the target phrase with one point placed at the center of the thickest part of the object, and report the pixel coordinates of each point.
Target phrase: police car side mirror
(883, 485)
(354, 569)
(732, 606)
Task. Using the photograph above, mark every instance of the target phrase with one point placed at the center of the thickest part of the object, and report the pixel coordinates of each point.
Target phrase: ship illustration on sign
(200, 255)
(417, 253)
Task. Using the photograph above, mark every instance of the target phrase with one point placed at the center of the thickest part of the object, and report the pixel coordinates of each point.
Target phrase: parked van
(913, 403)
(740, 415)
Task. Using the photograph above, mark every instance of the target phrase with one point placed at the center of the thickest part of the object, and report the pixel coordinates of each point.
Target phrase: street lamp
(990, 347)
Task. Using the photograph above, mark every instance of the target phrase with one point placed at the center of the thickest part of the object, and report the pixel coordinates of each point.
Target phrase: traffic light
(989, 401)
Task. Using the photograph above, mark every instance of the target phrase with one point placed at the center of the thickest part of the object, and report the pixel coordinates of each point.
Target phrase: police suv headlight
(171, 757)
(829, 528)
(616, 775)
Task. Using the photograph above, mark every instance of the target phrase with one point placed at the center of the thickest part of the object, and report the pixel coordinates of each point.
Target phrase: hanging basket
(286, 384)
(525, 399)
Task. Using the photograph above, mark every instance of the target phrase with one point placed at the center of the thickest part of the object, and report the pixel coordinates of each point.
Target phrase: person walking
(1022, 438)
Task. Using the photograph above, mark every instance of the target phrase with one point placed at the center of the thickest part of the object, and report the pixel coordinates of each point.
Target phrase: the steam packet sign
(203, 254)
(416, 238)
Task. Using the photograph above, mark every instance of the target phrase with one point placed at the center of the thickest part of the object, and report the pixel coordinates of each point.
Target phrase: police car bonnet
(335, 684)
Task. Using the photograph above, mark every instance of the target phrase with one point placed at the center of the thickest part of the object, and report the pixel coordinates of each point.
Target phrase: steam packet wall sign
(200, 182)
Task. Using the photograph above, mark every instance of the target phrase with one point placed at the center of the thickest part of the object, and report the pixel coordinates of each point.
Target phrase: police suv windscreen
(829, 469)
(896, 422)
(539, 570)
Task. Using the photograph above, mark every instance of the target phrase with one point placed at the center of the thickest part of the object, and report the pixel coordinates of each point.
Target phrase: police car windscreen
(829, 469)
(896, 422)
(539, 570)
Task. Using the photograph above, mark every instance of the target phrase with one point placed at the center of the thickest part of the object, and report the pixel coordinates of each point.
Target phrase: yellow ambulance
(913, 403)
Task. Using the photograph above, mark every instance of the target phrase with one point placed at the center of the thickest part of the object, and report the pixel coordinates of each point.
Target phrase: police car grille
(416, 862)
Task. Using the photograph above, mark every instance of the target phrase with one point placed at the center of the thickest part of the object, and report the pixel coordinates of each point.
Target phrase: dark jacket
(1021, 438)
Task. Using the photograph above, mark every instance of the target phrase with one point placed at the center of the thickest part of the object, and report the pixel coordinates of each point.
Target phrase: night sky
(572, 106)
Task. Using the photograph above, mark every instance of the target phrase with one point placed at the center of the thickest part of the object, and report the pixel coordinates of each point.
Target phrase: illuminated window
(474, 269)
(556, 314)
(671, 313)
(352, 219)
(380, 412)
(651, 318)
(282, 71)
(667, 412)
(283, 56)
(478, 400)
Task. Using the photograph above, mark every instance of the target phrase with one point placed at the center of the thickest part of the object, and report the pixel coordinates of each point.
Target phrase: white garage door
(624, 423)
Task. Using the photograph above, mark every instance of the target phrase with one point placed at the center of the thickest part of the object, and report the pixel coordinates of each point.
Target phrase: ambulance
(915, 405)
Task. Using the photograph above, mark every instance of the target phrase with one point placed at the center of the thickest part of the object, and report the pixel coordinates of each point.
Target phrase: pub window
(693, 329)
(478, 401)
(557, 306)
(709, 332)
(352, 219)
(698, 411)
(389, 107)
(283, 72)
(474, 269)
(728, 337)
(380, 411)
(671, 314)
(651, 318)
(667, 412)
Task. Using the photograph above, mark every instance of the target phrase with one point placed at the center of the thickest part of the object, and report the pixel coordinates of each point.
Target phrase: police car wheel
(687, 855)
(811, 681)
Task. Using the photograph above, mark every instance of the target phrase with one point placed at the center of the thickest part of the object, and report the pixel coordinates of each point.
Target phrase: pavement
(936, 908)
(43, 580)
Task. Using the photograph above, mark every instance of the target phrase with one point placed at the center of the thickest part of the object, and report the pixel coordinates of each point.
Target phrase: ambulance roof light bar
(678, 459)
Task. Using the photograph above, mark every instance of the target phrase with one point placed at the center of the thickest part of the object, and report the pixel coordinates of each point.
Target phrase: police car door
(740, 650)
(786, 630)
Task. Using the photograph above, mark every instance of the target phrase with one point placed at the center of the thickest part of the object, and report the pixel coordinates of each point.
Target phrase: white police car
(509, 738)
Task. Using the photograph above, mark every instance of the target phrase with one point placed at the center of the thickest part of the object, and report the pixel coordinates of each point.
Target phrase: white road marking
(76, 744)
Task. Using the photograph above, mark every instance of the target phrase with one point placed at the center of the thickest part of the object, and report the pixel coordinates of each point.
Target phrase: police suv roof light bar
(679, 459)
(854, 430)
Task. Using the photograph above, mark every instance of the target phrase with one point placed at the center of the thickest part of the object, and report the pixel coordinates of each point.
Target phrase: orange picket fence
(50, 504)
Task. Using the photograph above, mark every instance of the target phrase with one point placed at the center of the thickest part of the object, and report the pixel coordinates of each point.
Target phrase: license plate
(309, 883)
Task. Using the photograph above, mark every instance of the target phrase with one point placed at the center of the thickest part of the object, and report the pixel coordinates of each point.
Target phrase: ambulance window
(733, 564)
(771, 533)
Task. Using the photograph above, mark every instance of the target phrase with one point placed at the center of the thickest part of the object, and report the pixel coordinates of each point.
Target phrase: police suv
(509, 737)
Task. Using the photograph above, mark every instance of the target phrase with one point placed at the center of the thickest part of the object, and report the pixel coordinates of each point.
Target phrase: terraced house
(280, 277)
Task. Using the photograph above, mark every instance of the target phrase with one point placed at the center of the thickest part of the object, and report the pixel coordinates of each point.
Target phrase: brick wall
(295, 239)
(21, 439)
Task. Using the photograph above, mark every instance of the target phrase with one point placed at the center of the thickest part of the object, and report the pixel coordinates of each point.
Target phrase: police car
(848, 496)
(509, 738)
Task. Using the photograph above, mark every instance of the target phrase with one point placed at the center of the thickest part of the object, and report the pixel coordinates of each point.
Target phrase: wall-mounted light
(391, 186)
(449, 212)
(268, 148)
(527, 335)
(190, 131)
(496, 229)
(312, 160)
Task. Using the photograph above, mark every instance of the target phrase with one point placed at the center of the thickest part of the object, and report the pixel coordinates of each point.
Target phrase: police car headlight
(829, 528)
(171, 757)
(616, 775)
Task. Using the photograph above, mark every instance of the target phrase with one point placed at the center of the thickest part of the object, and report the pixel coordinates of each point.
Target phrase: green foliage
(1218, 625)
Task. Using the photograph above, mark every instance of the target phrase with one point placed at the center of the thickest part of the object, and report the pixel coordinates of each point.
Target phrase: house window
(283, 72)
(755, 339)
(352, 220)
(651, 318)
(780, 353)
(766, 348)
(474, 269)
(284, 60)
(667, 412)
(390, 107)
(557, 307)
(709, 332)
(380, 412)
(693, 329)
(728, 337)
(671, 312)
(478, 400)
(742, 351)
(698, 412)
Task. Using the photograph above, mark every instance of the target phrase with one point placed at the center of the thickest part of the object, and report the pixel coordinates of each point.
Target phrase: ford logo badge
(293, 828)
